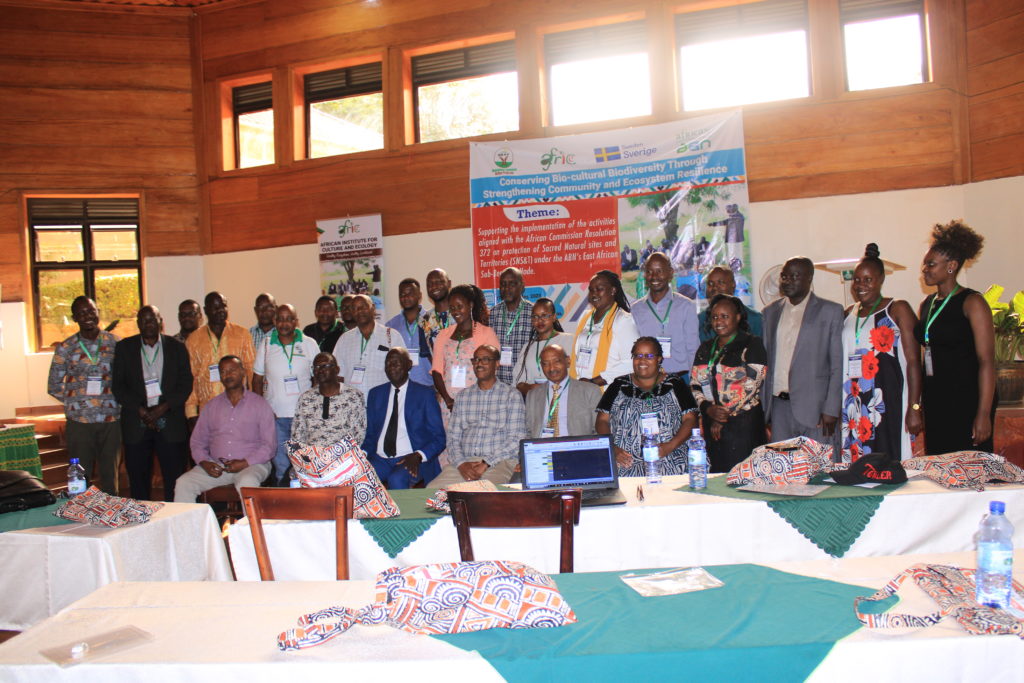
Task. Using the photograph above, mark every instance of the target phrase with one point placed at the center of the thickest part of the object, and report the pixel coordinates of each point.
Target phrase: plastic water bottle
(995, 557)
(697, 460)
(652, 461)
(293, 480)
(76, 478)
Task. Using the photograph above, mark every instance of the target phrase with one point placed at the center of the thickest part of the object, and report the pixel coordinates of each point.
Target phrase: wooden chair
(308, 504)
(517, 509)
(224, 500)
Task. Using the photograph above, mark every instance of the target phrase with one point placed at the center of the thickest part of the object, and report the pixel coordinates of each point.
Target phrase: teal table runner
(394, 534)
(831, 520)
(762, 624)
(33, 518)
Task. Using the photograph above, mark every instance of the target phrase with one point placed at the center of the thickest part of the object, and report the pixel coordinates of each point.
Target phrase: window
(253, 110)
(465, 92)
(598, 73)
(884, 42)
(740, 55)
(344, 111)
(84, 246)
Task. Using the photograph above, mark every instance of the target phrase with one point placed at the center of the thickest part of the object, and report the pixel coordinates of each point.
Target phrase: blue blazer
(422, 421)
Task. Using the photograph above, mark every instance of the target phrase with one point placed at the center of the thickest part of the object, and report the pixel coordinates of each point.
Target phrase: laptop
(572, 462)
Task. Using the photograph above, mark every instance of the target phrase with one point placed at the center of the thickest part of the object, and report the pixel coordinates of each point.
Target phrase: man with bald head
(404, 431)
(361, 351)
(668, 316)
(721, 280)
(282, 371)
(510, 320)
(152, 379)
(437, 318)
(207, 345)
(565, 407)
(486, 425)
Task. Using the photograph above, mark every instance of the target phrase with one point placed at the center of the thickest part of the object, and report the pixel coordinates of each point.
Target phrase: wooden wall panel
(97, 102)
(995, 86)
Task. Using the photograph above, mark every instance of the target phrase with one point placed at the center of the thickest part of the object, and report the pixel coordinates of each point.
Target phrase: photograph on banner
(561, 209)
(352, 258)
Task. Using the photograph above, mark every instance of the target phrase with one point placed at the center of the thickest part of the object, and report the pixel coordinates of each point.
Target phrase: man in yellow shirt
(207, 345)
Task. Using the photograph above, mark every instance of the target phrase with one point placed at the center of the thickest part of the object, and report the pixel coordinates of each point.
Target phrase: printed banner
(562, 208)
(352, 258)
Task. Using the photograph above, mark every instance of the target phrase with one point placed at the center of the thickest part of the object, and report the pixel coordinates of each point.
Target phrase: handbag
(102, 509)
(953, 589)
(794, 461)
(434, 599)
(19, 490)
(343, 464)
(965, 469)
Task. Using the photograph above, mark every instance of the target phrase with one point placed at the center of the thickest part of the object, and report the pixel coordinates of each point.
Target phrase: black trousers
(138, 460)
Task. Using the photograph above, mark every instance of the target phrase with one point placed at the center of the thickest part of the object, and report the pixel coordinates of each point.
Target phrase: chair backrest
(310, 504)
(516, 509)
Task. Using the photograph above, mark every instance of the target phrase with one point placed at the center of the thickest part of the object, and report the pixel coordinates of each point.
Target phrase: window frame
(886, 10)
(350, 91)
(264, 104)
(88, 265)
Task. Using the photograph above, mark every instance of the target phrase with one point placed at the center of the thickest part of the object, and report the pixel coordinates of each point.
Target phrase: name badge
(214, 373)
(928, 368)
(666, 346)
(853, 366)
(152, 391)
(705, 388)
(459, 377)
(649, 424)
(584, 361)
(94, 385)
(506, 356)
(291, 386)
(547, 432)
(414, 356)
(357, 374)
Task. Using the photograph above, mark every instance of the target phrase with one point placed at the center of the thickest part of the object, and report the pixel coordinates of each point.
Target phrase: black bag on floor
(19, 490)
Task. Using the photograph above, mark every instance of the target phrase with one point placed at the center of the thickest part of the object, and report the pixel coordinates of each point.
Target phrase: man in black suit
(152, 378)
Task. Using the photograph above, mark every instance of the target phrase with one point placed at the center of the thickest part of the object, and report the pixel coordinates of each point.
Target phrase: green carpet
(394, 534)
(762, 624)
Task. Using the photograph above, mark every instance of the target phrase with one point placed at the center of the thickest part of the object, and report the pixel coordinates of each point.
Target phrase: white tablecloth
(669, 528)
(43, 570)
(227, 632)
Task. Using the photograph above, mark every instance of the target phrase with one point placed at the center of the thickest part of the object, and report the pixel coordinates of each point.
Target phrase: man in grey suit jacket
(802, 393)
(571, 408)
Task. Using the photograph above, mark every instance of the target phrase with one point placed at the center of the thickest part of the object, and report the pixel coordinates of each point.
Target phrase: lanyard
(92, 361)
(459, 345)
(287, 355)
(363, 341)
(410, 327)
(859, 322)
(663, 321)
(536, 354)
(216, 346)
(150, 361)
(514, 321)
(717, 351)
(333, 327)
(555, 398)
(445, 320)
(931, 316)
(590, 328)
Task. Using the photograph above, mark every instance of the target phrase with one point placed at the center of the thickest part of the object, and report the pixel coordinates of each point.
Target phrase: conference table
(46, 563)
(668, 528)
(778, 621)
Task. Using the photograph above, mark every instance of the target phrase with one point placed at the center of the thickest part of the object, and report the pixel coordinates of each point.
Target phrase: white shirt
(403, 446)
(272, 363)
(790, 319)
(527, 369)
(353, 351)
(620, 358)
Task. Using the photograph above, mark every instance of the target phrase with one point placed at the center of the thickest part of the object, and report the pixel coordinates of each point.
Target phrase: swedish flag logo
(602, 154)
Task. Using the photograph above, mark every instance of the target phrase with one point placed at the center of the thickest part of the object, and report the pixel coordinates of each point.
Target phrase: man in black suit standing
(152, 378)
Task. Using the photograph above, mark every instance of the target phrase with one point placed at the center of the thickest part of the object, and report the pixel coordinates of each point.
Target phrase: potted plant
(1008, 324)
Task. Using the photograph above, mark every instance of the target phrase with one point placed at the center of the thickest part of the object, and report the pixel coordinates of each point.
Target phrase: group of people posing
(444, 394)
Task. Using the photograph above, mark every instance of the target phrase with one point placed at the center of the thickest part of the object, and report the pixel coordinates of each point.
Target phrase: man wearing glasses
(487, 422)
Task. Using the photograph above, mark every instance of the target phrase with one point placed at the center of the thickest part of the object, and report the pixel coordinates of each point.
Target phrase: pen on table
(640, 493)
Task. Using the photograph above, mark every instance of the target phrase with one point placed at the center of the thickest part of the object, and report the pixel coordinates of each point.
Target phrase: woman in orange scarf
(605, 334)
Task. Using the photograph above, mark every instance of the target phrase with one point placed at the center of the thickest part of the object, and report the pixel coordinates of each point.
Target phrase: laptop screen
(568, 462)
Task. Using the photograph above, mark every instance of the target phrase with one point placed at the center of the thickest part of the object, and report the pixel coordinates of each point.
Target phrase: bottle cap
(73, 461)
(996, 507)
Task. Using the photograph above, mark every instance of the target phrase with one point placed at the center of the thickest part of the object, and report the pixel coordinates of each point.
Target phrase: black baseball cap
(875, 468)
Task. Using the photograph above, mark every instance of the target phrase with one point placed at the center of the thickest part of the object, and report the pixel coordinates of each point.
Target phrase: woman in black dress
(955, 328)
(726, 380)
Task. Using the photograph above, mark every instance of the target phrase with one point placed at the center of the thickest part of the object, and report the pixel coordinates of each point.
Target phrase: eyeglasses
(649, 356)
(321, 366)
(544, 316)
(478, 361)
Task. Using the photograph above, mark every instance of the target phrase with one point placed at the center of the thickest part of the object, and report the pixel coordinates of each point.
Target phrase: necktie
(553, 410)
(391, 433)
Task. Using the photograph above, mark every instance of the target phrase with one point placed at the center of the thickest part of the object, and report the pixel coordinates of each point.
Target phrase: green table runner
(762, 624)
(394, 534)
(831, 520)
(19, 451)
(33, 518)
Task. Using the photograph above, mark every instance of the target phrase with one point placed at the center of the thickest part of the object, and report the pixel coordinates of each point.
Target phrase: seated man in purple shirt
(234, 438)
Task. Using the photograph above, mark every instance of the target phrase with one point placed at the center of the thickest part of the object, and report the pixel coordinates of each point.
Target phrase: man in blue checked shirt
(408, 325)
